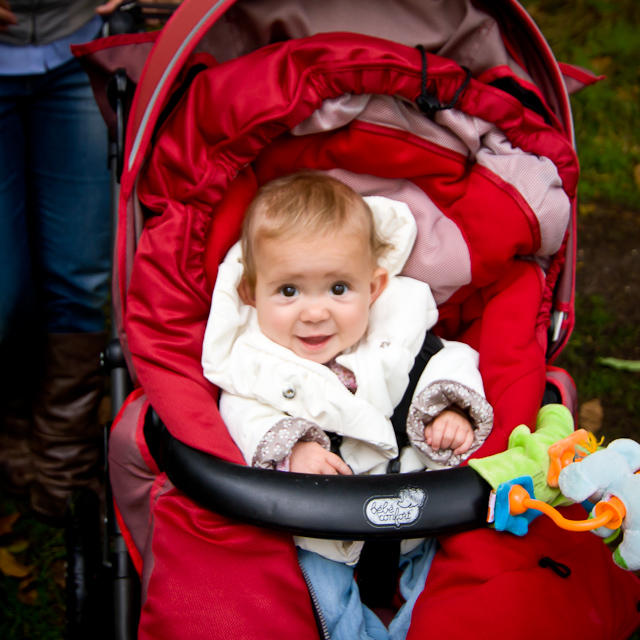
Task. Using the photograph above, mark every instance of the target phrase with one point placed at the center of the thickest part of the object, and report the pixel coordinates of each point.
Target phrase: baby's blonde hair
(307, 204)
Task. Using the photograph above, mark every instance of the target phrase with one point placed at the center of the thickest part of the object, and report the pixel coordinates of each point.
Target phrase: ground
(607, 315)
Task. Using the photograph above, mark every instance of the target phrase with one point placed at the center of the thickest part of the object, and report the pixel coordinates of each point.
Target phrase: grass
(32, 607)
(601, 35)
(598, 334)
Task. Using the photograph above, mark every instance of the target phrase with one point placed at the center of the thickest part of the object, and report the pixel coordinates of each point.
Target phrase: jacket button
(289, 392)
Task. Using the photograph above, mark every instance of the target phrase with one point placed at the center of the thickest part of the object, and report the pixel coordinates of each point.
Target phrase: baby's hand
(449, 430)
(311, 457)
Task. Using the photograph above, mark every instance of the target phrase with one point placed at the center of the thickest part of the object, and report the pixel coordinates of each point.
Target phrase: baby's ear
(246, 293)
(379, 282)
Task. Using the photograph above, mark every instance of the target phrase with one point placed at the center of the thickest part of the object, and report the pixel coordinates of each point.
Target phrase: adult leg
(18, 331)
(68, 179)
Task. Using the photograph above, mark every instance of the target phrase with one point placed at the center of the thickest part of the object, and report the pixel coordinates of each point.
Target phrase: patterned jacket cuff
(274, 449)
(432, 401)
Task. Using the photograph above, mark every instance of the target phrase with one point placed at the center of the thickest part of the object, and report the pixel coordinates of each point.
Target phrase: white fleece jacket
(265, 385)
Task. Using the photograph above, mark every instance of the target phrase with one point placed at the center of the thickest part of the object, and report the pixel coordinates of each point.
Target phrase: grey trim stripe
(147, 114)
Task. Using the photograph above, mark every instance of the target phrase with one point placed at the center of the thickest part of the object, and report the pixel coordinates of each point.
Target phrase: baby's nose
(314, 311)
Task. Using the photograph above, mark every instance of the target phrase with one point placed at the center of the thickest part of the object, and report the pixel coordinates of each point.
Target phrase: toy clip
(609, 513)
(568, 450)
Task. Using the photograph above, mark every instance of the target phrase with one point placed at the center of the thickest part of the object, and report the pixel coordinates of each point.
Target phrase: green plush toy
(528, 454)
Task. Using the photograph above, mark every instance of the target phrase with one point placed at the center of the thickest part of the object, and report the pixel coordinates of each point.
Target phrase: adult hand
(154, 16)
(311, 457)
(111, 5)
(7, 17)
(108, 7)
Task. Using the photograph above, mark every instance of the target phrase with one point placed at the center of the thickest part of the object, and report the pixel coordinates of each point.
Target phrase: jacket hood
(230, 318)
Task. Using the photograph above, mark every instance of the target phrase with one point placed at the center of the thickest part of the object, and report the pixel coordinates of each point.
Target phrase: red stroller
(476, 123)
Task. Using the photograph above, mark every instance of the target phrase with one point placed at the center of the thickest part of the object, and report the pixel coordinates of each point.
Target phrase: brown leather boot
(19, 378)
(16, 466)
(67, 436)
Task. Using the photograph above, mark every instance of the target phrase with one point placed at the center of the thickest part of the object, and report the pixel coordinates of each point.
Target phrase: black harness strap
(431, 345)
(377, 574)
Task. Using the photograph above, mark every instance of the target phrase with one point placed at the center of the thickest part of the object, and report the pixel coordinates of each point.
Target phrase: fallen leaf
(622, 365)
(10, 566)
(7, 522)
(28, 591)
(601, 64)
(58, 573)
(586, 209)
(104, 410)
(18, 546)
(590, 415)
(625, 94)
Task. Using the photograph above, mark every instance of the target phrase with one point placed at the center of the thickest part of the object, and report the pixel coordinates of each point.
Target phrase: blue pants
(54, 203)
(339, 598)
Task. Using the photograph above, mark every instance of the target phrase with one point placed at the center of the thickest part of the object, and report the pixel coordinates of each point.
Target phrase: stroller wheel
(87, 582)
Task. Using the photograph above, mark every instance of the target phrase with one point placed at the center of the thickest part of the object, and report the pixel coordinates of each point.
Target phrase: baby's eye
(288, 291)
(339, 289)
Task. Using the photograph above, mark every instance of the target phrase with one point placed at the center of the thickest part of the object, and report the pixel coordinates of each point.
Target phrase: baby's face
(313, 296)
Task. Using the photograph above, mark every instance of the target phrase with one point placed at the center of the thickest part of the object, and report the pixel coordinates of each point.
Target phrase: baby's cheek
(275, 322)
(358, 317)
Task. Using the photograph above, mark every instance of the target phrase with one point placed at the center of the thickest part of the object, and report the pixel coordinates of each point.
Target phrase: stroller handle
(364, 507)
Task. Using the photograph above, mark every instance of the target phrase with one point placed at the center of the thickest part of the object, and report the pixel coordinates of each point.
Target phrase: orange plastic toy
(609, 513)
(563, 453)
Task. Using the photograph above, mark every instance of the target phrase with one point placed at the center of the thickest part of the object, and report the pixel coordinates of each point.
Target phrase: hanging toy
(555, 466)
(611, 476)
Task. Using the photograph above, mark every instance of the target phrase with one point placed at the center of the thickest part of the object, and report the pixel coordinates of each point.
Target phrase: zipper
(322, 623)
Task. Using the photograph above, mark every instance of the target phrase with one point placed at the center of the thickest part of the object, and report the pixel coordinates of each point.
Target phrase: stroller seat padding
(200, 153)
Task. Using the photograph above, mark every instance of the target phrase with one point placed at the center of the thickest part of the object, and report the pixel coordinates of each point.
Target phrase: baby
(313, 331)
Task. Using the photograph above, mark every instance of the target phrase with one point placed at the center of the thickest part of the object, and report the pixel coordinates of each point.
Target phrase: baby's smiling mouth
(314, 341)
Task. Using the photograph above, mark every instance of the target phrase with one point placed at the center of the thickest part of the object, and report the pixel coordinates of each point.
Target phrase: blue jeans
(339, 598)
(54, 203)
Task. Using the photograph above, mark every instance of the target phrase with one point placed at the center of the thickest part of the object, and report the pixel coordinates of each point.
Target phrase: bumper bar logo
(396, 511)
